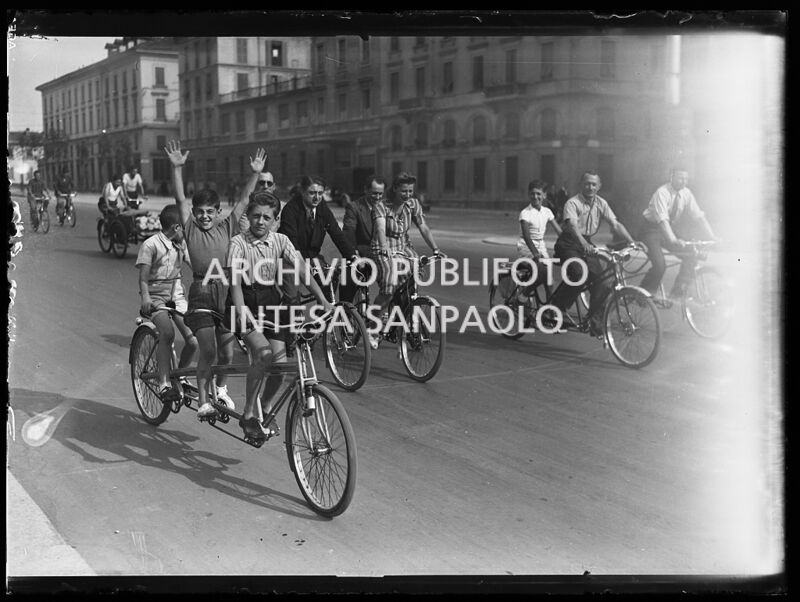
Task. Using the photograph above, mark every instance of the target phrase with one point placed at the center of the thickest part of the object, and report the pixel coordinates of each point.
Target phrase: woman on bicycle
(391, 221)
(256, 253)
(113, 200)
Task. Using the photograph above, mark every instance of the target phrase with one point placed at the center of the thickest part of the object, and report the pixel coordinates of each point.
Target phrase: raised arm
(256, 165)
(337, 236)
(173, 150)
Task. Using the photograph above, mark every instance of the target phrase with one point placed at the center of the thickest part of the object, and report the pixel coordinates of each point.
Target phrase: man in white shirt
(533, 221)
(132, 181)
(673, 204)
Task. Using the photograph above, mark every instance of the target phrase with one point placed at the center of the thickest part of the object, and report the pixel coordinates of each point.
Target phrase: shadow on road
(118, 339)
(82, 425)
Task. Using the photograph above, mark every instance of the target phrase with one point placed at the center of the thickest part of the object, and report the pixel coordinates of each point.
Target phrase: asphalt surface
(531, 457)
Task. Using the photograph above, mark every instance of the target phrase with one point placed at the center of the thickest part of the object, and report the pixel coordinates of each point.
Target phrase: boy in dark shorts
(207, 237)
(159, 262)
(261, 248)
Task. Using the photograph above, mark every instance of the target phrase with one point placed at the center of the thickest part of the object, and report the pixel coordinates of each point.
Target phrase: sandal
(252, 429)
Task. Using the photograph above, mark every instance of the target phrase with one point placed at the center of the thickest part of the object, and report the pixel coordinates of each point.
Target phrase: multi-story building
(114, 114)
(475, 118)
(224, 83)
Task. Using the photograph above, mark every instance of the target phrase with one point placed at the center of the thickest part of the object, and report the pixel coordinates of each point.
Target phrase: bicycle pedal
(254, 442)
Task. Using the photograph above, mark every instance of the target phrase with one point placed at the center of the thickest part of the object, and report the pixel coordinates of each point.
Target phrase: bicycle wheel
(347, 350)
(44, 221)
(709, 303)
(322, 451)
(422, 348)
(144, 376)
(103, 237)
(72, 216)
(119, 239)
(506, 321)
(632, 327)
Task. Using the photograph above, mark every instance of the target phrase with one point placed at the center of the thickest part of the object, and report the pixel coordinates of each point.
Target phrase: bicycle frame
(304, 371)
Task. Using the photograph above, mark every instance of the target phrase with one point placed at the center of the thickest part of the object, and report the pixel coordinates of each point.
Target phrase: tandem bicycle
(631, 325)
(320, 443)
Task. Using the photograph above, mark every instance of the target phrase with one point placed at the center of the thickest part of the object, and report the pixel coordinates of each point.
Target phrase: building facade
(114, 114)
(475, 118)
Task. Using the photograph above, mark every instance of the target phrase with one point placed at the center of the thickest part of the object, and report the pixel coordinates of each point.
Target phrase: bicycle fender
(143, 326)
(432, 301)
(621, 287)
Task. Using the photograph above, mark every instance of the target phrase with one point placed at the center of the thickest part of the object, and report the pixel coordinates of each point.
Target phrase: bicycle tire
(505, 294)
(72, 216)
(143, 361)
(422, 349)
(347, 350)
(326, 473)
(44, 221)
(103, 236)
(708, 305)
(632, 327)
(119, 239)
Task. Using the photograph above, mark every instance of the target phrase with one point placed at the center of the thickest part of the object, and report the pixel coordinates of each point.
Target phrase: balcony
(288, 85)
(406, 104)
(500, 90)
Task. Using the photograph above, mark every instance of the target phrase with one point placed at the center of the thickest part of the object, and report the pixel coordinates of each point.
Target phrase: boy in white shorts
(159, 262)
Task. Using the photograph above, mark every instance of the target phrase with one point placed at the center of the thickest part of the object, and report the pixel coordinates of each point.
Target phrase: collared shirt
(397, 223)
(36, 188)
(587, 215)
(164, 257)
(536, 220)
(248, 252)
(205, 245)
(668, 204)
(111, 194)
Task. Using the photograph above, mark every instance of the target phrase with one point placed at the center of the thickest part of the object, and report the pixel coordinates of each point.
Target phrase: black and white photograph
(302, 301)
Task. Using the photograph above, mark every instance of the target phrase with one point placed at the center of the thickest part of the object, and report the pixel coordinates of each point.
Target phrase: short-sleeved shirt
(111, 194)
(63, 185)
(165, 258)
(131, 183)
(206, 245)
(668, 204)
(587, 215)
(247, 250)
(397, 223)
(536, 220)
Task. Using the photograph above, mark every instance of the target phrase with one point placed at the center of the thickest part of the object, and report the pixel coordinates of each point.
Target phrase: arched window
(511, 126)
(479, 130)
(422, 135)
(449, 138)
(396, 138)
(548, 124)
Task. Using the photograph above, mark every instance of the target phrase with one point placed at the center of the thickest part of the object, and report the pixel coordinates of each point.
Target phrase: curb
(33, 546)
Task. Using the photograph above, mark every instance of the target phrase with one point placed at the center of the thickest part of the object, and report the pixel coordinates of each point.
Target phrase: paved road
(537, 456)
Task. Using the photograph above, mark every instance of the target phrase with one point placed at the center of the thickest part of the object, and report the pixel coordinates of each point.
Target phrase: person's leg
(273, 382)
(565, 295)
(166, 336)
(599, 289)
(34, 213)
(189, 342)
(61, 202)
(652, 279)
(685, 273)
(207, 344)
(260, 361)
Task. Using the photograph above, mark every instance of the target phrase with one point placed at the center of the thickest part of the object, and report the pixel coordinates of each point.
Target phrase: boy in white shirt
(533, 221)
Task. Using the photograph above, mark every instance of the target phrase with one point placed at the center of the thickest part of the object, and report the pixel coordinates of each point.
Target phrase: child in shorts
(260, 247)
(159, 262)
(207, 238)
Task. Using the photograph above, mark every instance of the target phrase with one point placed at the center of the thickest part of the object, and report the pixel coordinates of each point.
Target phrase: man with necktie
(671, 206)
